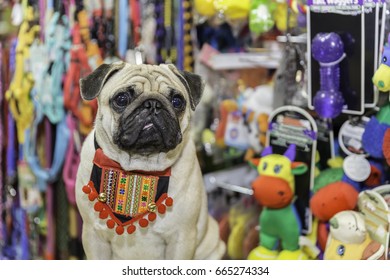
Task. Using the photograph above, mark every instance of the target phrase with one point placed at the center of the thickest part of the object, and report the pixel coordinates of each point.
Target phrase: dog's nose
(153, 104)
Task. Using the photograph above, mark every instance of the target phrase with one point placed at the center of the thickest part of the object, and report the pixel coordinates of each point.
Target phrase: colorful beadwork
(128, 194)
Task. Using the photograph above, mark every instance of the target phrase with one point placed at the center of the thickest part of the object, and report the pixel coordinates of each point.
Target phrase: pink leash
(72, 161)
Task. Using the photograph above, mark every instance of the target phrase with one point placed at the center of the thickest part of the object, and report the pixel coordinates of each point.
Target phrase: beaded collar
(126, 198)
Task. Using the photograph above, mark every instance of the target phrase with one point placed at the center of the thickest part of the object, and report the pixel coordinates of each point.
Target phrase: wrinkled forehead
(146, 78)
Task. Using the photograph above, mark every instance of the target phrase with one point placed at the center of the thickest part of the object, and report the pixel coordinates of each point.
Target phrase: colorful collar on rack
(126, 198)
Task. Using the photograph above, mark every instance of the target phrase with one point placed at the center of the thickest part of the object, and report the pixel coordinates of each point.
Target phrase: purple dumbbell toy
(328, 50)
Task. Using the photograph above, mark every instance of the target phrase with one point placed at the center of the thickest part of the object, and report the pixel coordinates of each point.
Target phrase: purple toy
(328, 50)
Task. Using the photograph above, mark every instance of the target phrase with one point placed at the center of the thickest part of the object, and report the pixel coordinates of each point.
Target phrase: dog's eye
(384, 59)
(177, 102)
(121, 100)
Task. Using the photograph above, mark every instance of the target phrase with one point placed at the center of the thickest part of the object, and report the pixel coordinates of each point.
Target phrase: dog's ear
(193, 83)
(91, 86)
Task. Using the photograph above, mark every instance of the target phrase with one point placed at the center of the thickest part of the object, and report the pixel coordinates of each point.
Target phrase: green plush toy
(279, 223)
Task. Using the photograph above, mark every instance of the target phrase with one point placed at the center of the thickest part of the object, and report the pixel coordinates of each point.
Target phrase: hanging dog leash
(57, 48)
(45, 175)
(169, 52)
(10, 189)
(160, 30)
(79, 67)
(92, 48)
(2, 239)
(187, 47)
(136, 22)
(122, 27)
(18, 94)
(50, 236)
(72, 159)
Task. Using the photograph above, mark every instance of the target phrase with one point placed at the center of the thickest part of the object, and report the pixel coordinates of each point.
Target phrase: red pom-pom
(162, 209)
(110, 223)
(143, 222)
(169, 201)
(152, 216)
(119, 230)
(86, 189)
(131, 229)
(98, 206)
(92, 196)
(103, 214)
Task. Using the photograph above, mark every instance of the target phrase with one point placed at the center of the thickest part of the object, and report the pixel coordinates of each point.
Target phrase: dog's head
(143, 109)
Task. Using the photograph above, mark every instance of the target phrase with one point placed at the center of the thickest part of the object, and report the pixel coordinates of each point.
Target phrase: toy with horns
(381, 78)
(274, 189)
(377, 133)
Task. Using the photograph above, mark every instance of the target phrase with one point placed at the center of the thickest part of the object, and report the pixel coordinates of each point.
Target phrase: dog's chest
(126, 200)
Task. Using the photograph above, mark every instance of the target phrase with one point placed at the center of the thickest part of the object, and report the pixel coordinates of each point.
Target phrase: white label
(357, 167)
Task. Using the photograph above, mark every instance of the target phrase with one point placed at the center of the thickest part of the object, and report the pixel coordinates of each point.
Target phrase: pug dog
(142, 127)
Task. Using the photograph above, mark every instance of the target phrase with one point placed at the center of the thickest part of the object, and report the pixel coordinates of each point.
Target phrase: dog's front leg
(95, 247)
(181, 246)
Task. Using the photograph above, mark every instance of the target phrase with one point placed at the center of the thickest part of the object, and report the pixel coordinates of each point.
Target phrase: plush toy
(240, 218)
(381, 78)
(333, 198)
(330, 196)
(274, 189)
(377, 133)
(374, 133)
(349, 239)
